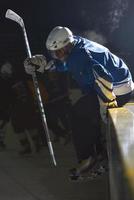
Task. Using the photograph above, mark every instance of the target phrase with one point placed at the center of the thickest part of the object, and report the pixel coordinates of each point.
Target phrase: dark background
(110, 22)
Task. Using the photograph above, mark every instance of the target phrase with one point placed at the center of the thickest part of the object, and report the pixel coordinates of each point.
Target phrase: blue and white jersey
(93, 66)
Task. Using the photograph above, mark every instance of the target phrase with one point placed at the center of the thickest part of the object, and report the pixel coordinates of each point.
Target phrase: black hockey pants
(86, 126)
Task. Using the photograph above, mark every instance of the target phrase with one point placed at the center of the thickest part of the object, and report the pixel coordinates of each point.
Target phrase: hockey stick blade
(15, 17)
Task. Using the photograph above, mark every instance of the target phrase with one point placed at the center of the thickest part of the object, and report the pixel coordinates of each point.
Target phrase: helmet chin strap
(63, 58)
(58, 54)
(63, 53)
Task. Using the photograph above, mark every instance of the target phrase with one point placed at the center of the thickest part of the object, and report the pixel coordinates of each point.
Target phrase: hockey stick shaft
(39, 99)
(36, 87)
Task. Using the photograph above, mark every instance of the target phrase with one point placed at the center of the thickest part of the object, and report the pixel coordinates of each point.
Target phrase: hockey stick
(13, 16)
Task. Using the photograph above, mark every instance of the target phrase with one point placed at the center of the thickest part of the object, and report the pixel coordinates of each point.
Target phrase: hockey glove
(112, 104)
(35, 63)
(104, 106)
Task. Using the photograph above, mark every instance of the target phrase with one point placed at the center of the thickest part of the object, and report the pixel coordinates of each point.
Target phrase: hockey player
(17, 105)
(55, 97)
(5, 101)
(104, 79)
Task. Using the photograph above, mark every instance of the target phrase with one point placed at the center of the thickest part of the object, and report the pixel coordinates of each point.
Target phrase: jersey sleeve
(103, 82)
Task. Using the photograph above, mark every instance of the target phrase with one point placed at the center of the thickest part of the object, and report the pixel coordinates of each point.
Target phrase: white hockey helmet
(6, 68)
(58, 38)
